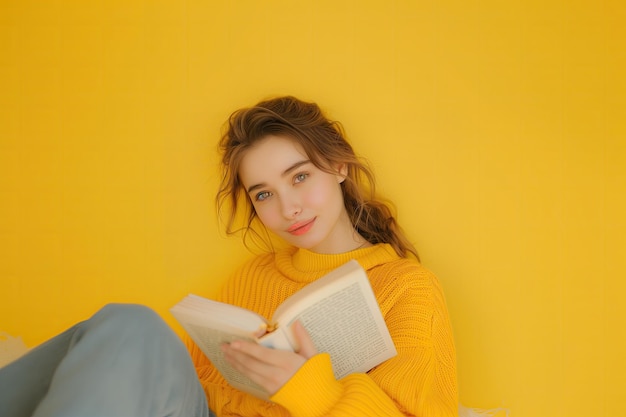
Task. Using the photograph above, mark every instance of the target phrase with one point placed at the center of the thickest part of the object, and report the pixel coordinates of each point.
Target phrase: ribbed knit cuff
(312, 391)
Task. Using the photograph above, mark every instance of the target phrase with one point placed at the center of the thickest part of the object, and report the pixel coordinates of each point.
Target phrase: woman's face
(296, 200)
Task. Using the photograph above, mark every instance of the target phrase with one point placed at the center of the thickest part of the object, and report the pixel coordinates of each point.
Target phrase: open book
(339, 310)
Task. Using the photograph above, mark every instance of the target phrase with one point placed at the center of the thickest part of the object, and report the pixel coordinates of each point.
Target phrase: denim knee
(129, 322)
(132, 315)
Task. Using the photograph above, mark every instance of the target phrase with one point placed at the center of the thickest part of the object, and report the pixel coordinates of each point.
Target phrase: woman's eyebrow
(295, 166)
(284, 173)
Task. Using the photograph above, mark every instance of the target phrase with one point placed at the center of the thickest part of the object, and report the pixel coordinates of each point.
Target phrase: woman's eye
(300, 177)
(262, 195)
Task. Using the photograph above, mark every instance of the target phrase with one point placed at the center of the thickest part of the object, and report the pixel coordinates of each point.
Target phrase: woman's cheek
(267, 215)
(318, 196)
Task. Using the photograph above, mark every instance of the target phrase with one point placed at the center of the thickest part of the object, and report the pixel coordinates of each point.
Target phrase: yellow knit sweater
(419, 381)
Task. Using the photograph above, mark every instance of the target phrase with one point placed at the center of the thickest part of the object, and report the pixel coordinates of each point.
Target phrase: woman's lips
(301, 228)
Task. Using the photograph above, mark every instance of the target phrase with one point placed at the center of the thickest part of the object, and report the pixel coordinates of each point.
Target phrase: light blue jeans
(125, 361)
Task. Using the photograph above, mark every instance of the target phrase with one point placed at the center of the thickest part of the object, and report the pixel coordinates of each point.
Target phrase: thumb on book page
(305, 345)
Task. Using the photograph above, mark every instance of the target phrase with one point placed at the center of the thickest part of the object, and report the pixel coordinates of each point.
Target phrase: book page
(278, 339)
(344, 326)
(218, 315)
(209, 341)
(343, 318)
(210, 324)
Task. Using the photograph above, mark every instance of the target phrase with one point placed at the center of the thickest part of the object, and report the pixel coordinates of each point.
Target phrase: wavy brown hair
(325, 144)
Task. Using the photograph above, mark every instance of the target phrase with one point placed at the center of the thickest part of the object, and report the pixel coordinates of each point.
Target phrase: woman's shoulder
(407, 282)
(402, 274)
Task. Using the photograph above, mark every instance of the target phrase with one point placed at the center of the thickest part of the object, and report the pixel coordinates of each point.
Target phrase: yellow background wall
(497, 127)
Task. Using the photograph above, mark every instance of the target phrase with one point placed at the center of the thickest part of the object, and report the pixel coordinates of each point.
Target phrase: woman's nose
(291, 208)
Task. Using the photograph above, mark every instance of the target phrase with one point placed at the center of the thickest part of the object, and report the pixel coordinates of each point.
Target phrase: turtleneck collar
(302, 265)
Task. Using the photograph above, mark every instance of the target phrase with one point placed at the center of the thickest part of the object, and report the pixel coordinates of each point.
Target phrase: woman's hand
(270, 368)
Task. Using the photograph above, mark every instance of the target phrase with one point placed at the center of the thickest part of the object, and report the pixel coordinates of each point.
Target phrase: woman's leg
(24, 382)
(124, 361)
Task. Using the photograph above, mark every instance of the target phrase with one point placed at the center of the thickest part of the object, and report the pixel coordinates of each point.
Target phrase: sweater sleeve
(419, 381)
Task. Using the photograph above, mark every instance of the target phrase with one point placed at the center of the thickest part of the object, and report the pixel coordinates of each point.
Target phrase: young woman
(299, 178)
(294, 174)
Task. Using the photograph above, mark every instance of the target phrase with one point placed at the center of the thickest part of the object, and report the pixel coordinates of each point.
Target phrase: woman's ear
(342, 173)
